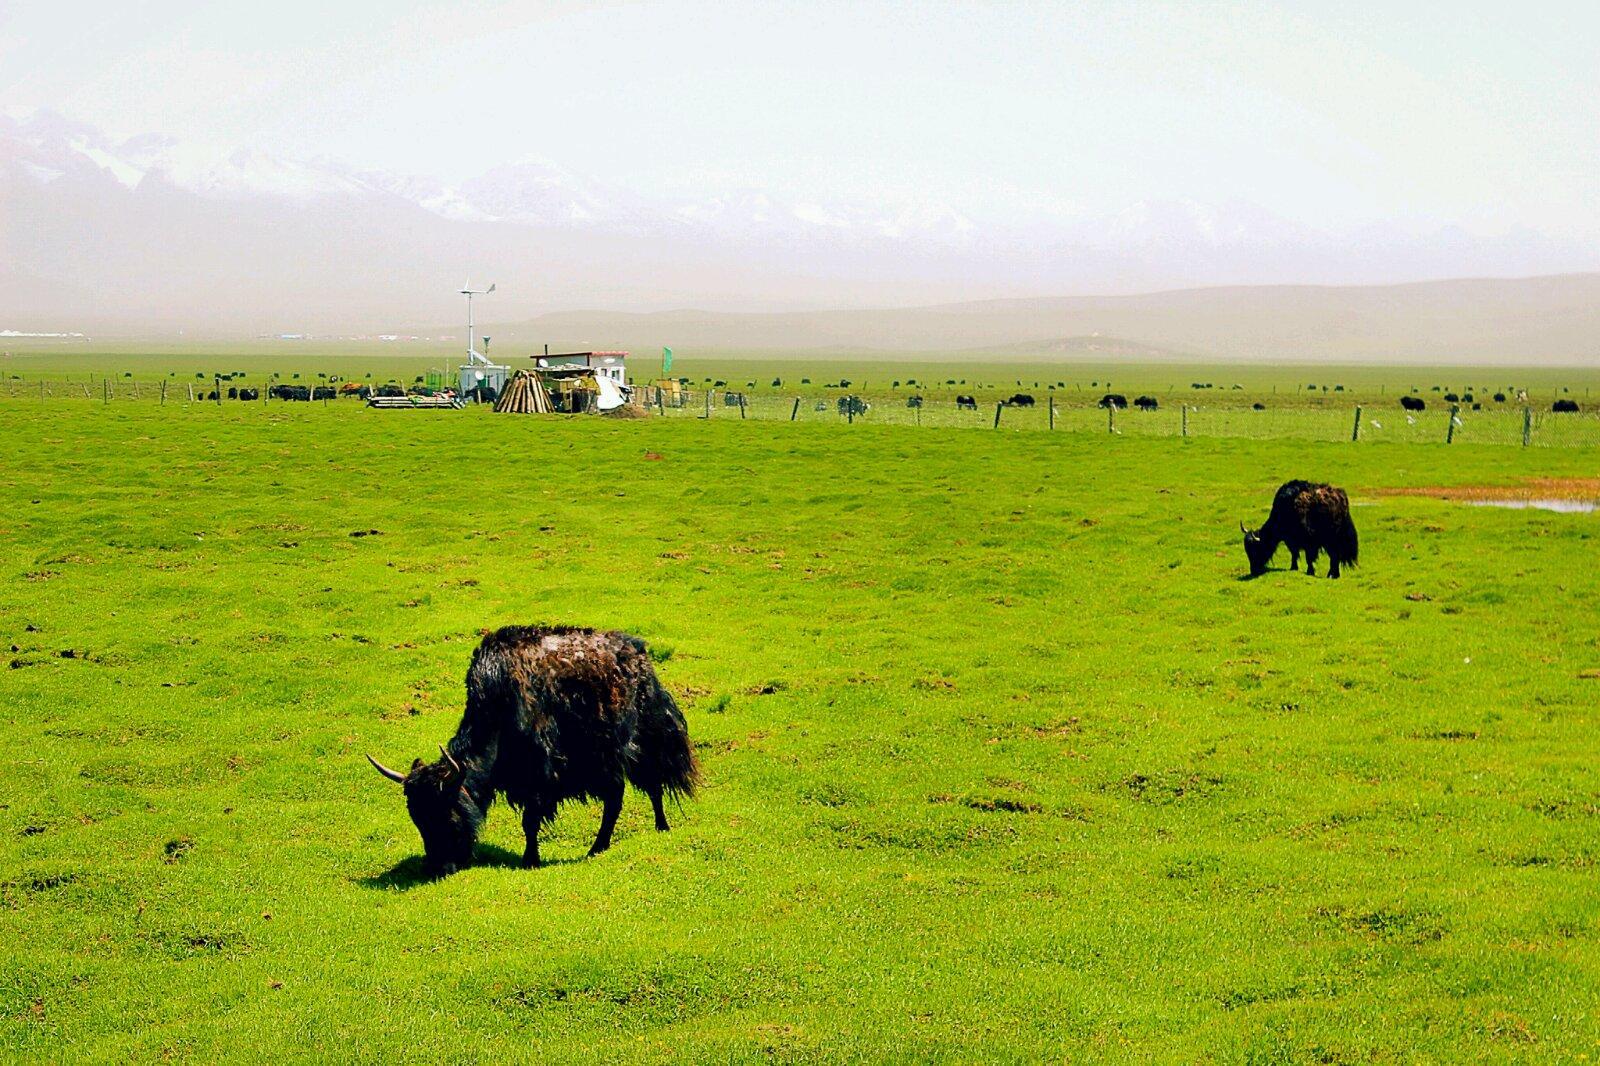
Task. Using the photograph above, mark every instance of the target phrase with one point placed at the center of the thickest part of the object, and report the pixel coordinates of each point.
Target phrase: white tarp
(611, 396)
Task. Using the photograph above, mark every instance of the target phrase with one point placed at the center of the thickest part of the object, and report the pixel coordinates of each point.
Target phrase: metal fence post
(1450, 433)
(794, 412)
(997, 409)
(1052, 412)
(1185, 419)
(1527, 425)
(1355, 432)
(1111, 417)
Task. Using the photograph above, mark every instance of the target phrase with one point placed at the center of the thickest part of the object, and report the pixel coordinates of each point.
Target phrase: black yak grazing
(1308, 518)
(1565, 407)
(1413, 403)
(968, 402)
(553, 714)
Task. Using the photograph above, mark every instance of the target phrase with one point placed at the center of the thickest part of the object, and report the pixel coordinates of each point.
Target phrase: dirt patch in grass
(1536, 488)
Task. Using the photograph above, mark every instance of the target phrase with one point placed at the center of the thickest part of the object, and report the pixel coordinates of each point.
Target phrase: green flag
(666, 361)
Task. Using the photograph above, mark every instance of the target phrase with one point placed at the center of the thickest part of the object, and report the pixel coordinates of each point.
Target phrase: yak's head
(1258, 551)
(444, 811)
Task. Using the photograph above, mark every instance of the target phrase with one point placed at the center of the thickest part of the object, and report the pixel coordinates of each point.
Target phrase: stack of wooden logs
(524, 395)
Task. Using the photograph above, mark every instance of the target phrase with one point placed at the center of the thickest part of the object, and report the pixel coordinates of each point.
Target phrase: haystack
(524, 395)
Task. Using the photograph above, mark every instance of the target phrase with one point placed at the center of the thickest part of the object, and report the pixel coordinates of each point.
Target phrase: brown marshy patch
(1547, 493)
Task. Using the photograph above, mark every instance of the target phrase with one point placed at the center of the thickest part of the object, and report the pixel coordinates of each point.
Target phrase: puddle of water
(1564, 506)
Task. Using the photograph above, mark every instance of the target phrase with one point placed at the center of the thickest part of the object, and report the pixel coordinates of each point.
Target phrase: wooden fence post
(1450, 433)
(105, 390)
(997, 409)
(741, 406)
(1527, 425)
(1355, 432)
(1185, 420)
(217, 388)
(708, 403)
(1111, 417)
(795, 412)
(1052, 412)
(163, 391)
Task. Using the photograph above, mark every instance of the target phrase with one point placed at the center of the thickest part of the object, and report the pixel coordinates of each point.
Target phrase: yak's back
(556, 670)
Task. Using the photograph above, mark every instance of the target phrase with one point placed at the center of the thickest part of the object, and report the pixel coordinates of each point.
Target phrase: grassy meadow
(1002, 759)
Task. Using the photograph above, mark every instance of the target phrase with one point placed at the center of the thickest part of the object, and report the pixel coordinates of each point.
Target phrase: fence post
(163, 391)
(741, 406)
(997, 409)
(217, 388)
(1355, 433)
(190, 386)
(708, 403)
(661, 402)
(1527, 425)
(41, 390)
(105, 390)
(1052, 412)
(1111, 417)
(794, 413)
(1185, 420)
(1450, 433)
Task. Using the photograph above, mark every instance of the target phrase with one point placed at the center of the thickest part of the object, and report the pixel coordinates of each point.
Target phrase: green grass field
(1002, 759)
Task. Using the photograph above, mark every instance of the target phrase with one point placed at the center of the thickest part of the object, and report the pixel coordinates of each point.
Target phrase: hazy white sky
(1483, 114)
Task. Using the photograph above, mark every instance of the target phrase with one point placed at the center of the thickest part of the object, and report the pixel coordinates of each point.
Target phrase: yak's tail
(1349, 545)
(665, 757)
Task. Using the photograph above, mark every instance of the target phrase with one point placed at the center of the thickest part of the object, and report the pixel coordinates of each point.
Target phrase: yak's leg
(1311, 560)
(608, 820)
(1294, 558)
(1333, 565)
(530, 826)
(661, 814)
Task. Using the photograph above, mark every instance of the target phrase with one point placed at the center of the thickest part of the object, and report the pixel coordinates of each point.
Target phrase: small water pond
(1564, 506)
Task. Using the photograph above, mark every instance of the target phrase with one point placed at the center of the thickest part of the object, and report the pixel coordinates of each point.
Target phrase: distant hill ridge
(1552, 320)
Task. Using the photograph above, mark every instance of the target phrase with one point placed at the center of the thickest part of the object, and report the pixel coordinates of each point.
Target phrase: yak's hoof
(531, 862)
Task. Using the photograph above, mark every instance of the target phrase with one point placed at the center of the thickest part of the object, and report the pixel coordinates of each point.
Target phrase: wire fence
(1509, 425)
(1503, 424)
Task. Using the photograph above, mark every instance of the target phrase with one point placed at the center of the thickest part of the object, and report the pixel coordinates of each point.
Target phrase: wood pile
(407, 403)
(524, 395)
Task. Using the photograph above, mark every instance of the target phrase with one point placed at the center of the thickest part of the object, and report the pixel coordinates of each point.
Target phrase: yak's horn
(450, 758)
(1242, 529)
(398, 779)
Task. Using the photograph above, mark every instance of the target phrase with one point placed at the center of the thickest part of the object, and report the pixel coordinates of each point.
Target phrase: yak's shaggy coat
(1307, 518)
(553, 713)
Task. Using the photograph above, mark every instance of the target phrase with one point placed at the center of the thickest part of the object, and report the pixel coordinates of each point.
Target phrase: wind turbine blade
(489, 289)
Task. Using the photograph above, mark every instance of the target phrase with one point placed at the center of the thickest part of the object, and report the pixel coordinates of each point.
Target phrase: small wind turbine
(473, 355)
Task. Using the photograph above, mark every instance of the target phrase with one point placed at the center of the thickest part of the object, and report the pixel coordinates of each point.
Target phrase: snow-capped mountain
(122, 227)
(528, 193)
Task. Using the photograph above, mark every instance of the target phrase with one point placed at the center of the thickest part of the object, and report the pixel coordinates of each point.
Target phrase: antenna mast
(473, 355)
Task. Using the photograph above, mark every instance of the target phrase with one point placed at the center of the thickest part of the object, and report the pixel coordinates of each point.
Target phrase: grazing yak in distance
(1307, 518)
(553, 714)
(966, 402)
(1565, 406)
(1147, 403)
(1021, 399)
(1113, 399)
(1413, 403)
